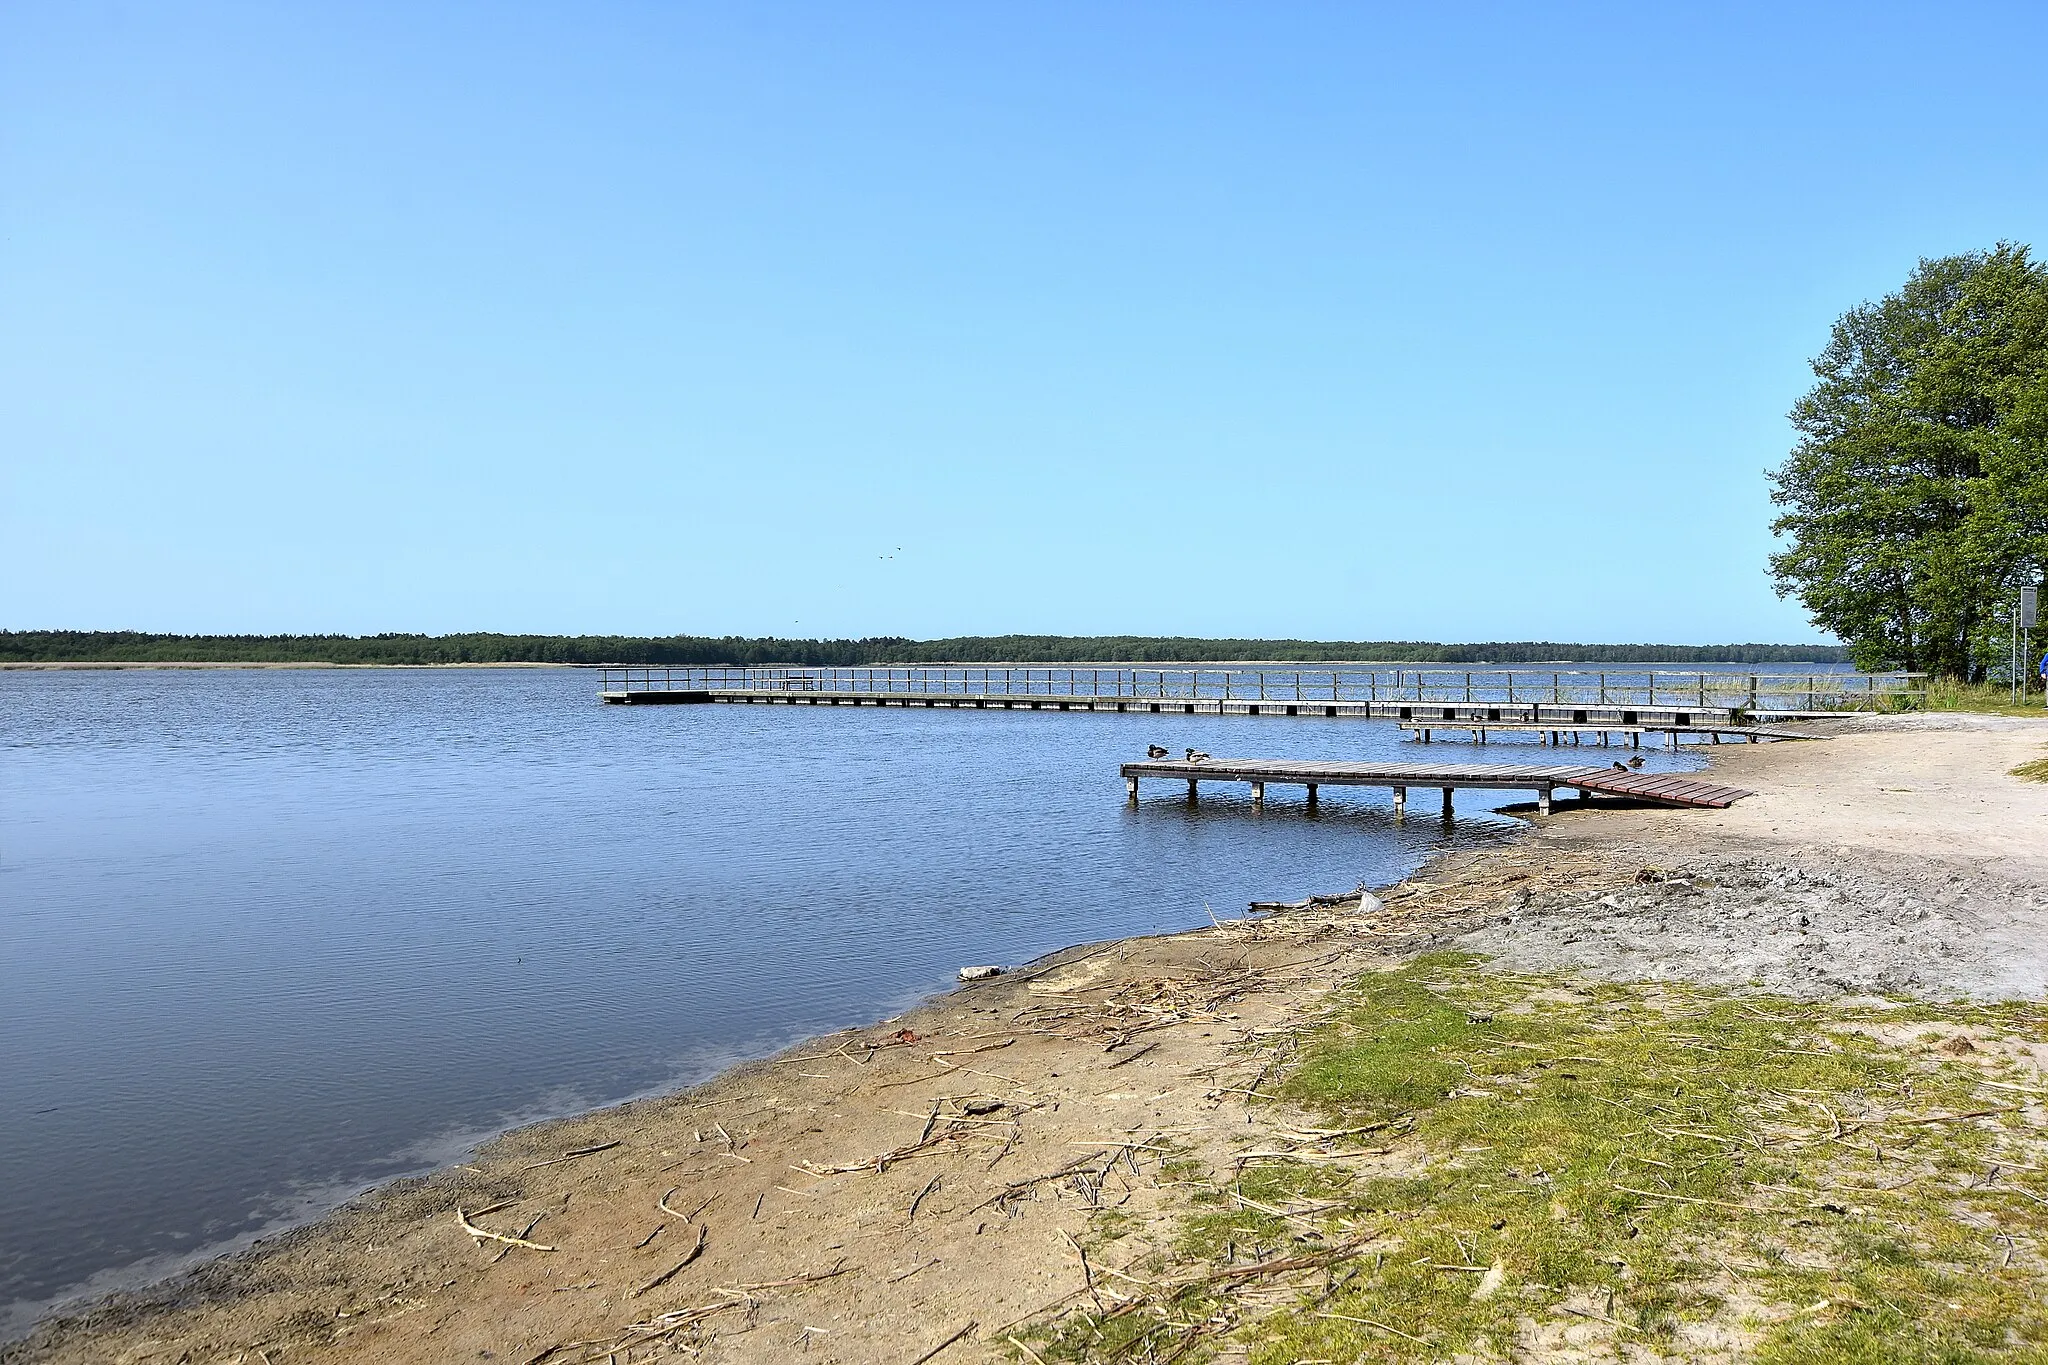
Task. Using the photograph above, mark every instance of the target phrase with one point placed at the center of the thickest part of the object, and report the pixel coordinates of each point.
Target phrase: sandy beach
(920, 1190)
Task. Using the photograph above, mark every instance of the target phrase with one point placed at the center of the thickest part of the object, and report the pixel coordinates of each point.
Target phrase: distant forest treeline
(92, 646)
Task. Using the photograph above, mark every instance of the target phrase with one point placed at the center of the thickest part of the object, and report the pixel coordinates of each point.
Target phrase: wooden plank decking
(1496, 715)
(1667, 789)
(1627, 694)
(1555, 730)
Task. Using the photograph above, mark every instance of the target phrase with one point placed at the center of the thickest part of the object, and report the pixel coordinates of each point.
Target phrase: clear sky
(1413, 321)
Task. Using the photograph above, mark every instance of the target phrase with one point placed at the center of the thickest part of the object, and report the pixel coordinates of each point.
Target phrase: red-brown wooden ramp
(1669, 789)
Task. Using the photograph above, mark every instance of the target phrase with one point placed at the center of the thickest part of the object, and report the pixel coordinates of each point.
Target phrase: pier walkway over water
(1664, 789)
(1499, 697)
(1560, 734)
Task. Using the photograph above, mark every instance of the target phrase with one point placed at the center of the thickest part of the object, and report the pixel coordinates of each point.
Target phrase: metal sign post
(2026, 618)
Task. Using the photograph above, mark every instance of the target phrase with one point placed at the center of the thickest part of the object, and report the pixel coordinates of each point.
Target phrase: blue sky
(1332, 321)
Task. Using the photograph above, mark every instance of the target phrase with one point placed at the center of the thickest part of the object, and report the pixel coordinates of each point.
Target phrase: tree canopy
(1916, 500)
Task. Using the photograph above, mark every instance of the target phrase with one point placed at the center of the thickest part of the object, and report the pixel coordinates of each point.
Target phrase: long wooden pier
(1665, 789)
(1494, 717)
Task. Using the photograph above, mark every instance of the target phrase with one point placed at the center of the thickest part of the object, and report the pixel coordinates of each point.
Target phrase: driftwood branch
(483, 1234)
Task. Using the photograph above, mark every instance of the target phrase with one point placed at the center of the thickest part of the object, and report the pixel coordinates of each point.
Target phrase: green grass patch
(2036, 771)
(1505, 1164)
(1947, 694)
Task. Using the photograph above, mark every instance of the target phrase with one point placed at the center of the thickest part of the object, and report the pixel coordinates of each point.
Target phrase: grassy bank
(1946, 694)
(1511, 1163)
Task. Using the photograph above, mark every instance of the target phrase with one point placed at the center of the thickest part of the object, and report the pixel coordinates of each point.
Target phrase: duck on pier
(1636, 762)
(1197, 756)
(1155, 751)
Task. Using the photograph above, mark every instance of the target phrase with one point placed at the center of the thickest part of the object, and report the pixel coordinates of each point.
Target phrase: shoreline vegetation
(83, 647)
(1764, 1083)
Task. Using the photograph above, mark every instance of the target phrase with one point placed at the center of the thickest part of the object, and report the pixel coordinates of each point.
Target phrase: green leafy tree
(2009, 347)
(1917, 496)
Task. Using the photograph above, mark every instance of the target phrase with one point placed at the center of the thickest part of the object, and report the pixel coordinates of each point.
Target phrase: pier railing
(1754, 690)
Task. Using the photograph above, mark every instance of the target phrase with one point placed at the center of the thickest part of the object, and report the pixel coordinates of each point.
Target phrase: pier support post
(1258, 793)
(1543, 801)
(1191, 791)
(1311, 796)
(1400, 802)
(1447, 803)
(1131, 789)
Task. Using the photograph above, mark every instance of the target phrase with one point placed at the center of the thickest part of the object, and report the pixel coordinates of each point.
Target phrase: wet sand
(918, 1186)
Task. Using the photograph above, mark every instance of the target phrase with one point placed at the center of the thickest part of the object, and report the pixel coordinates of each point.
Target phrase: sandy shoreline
(918, 1184)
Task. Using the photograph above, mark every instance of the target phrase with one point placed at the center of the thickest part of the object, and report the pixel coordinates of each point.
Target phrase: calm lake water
(268, 937)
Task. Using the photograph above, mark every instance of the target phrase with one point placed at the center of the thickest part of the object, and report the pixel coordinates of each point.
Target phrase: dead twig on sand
(691, 1216)
(524, 1232)
(944, 1344)
(703, 1235)
(1087, 1271)
(485, 1234)
(1022, 977)
(808, 1277)
(1130, 1056)
(969, 1051)
(1368, 1322)
(571, 1156)
(1314, 1260)
(958, 1129)
(878, 1164)
(1136, 1007)
(1244, 1159)
(1229, 1275)
(667, 1324)
(1016, 1188)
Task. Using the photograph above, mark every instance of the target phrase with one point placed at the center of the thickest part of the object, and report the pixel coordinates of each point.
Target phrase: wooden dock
(1664, 789)
(1544, 698)
(1494, 717)
(1497, 716)
(1555, 734)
